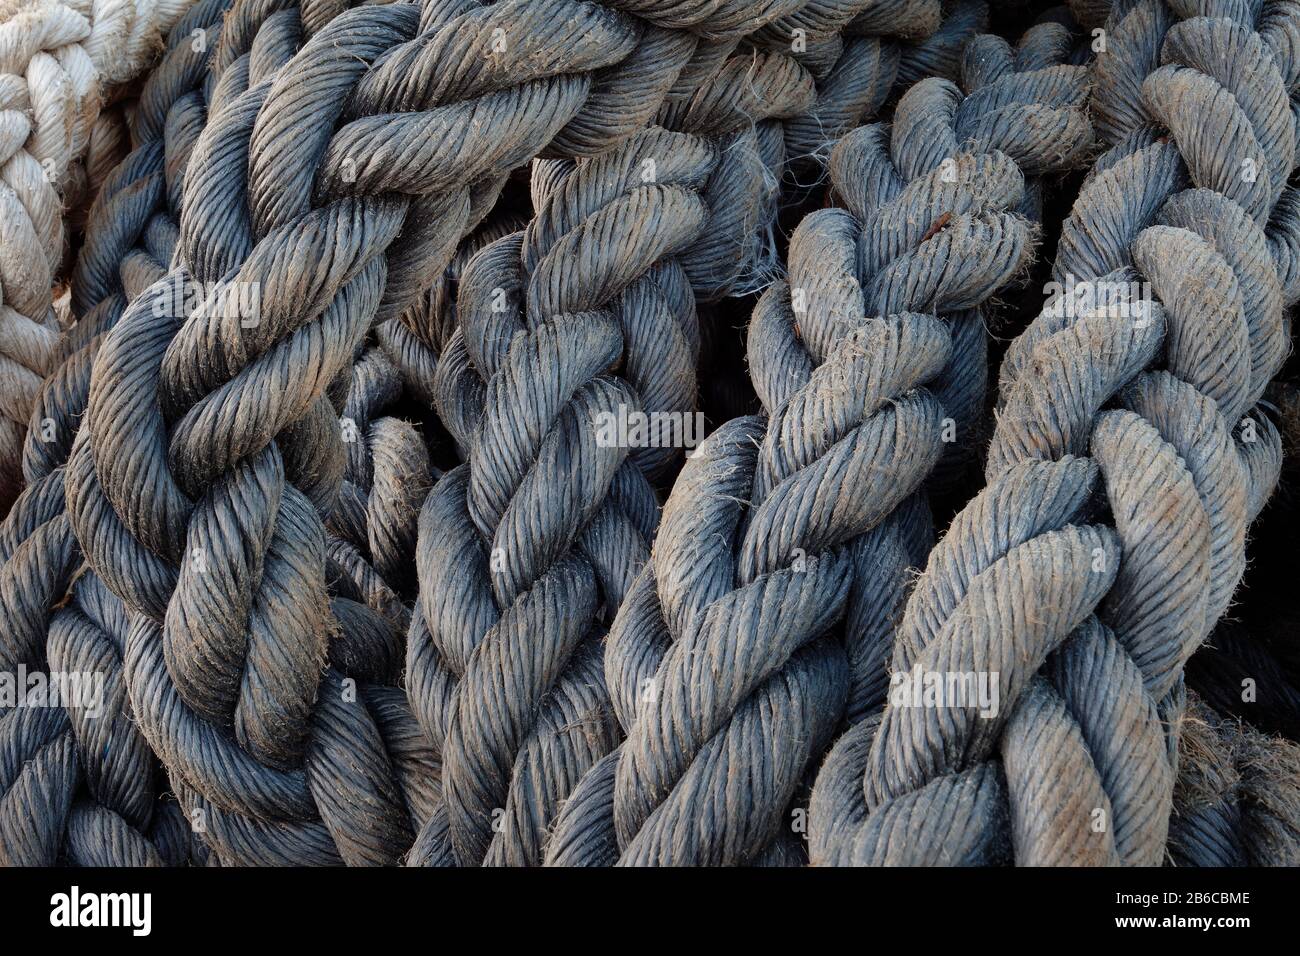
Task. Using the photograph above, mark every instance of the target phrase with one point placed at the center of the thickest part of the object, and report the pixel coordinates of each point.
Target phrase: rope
(521, 719)
(138, 230)
(234, 701)
(385, 480)
(1237, 797)
(78, 789)
(720, 649)
(78, 779)
(1077, 766)
(721, 83)
(57, 62)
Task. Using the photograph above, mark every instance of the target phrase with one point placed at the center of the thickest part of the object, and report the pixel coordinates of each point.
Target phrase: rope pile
(361, 477)
(61, 66)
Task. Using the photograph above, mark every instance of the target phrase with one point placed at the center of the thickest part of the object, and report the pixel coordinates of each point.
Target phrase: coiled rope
(57, 63)
(722, 648)
(1078, 764)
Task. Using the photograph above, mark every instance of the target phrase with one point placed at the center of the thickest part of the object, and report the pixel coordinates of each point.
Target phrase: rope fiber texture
(316, 647)
(80, 788)
(1084, 583)
(527, 551)
(212, 449)
(58, 64)
(779, 528)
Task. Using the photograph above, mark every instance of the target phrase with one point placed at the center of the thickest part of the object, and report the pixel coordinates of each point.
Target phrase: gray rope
(602, 237)
(767, 75)
(40, 555)
(519, 549)
(49, 815)
(341, 226)
(387, 475)
(1078, 765)
(78, 779)
(720, 652)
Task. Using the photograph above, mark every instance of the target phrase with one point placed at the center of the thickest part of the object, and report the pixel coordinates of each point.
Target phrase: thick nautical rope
(42, 554)
(332, 180)
(588, 249)
(723, 646)
(56, 62)
(882, 48)
(762, 78)
(360, 712)
(1074, 763)
(1237, 797)
(527, 550)
(77, 778)
(372, 531)
(730, 256)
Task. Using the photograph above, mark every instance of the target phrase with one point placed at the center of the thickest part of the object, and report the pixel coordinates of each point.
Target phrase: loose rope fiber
(57, 63)
(1237, 798)
(721, 647)
(1158, 388)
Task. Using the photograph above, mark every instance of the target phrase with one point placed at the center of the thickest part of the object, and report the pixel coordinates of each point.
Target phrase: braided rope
(78, 779)
(720, 653)
(761, 80)
(1077, 766)
(387, 475)
(114, 822)
(57, 62)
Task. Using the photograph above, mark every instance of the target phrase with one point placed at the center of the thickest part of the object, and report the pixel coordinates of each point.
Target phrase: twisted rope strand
(360, 158)
(57, 63)
(1078, 764)
(722, 648)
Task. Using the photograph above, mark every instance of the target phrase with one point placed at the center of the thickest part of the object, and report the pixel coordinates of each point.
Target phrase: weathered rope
(372, 531)
(77, 778)
(764, 81)
(722, 647)
(631, 231)
(525, 551)
(1237, 797)
(42, 554)
(57, 61)
(1077, 766)
(48, 817)
(229, 438)
(881, 48)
